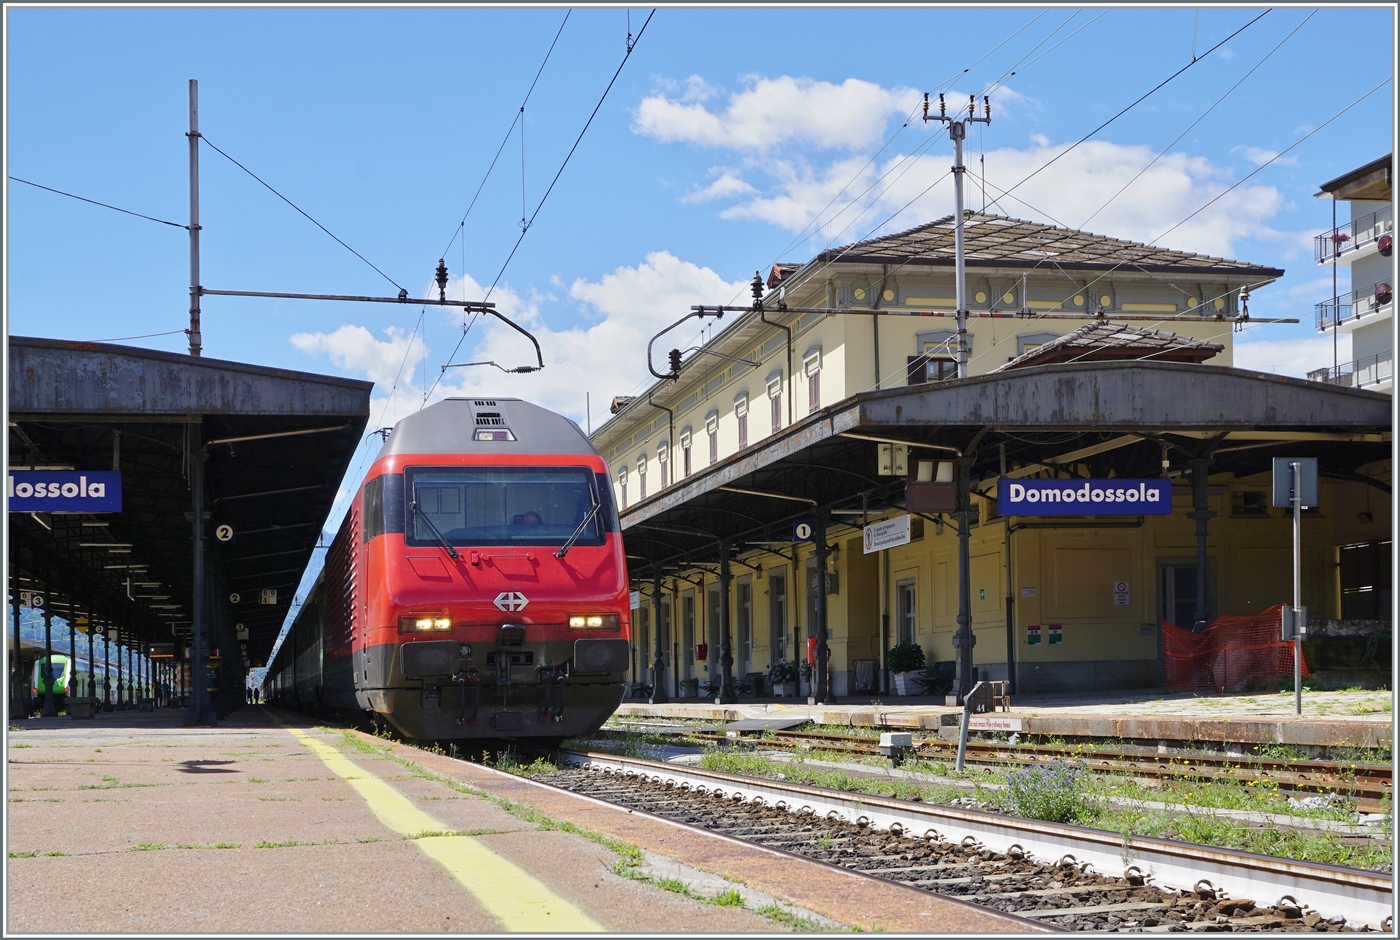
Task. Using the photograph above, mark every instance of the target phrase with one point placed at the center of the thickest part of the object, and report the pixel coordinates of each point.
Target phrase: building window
(685, 452)
(641, 476)
(741, 413)
(1249, 503)
(907, 607)
(1366, 580)
(663, 453)
(775, 401)
(622, 487)
(812, 366)
(925, 369)
(712, 429)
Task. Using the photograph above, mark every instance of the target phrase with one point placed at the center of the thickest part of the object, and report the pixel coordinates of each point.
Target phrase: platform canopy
(276, 444)
(1095, 419)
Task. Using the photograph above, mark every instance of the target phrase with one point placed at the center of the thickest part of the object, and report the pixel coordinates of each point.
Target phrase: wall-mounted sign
(1121, 594)
(1085, 497)
(886, 534)
(1033, 634)
(225, 533)
(1056, 635)
(65, 490)
(33, 599)
(267, 596)
(235, 597)
(802, 531)
(1028, 592)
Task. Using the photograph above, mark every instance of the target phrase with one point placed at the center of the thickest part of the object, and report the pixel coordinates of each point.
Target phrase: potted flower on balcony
(783, 675)
(905, 662)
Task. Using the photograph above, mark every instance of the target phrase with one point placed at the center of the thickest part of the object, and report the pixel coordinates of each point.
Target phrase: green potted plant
(905, 662)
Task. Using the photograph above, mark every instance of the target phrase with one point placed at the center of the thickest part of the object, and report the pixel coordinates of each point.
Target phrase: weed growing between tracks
(1127, 813)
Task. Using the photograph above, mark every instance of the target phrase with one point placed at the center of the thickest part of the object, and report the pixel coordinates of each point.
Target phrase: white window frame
(812, 361)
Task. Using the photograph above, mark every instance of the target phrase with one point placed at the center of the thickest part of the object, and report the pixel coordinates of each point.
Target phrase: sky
(732, 138)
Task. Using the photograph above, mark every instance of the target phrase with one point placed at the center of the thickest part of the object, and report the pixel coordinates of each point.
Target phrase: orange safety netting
(1235, 653)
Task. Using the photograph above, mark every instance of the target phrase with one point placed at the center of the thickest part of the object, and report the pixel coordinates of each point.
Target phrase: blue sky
(732, 139)
(725, 136)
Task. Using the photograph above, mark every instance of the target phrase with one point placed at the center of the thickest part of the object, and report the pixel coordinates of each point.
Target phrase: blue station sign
(65, 490)
(1085, 497)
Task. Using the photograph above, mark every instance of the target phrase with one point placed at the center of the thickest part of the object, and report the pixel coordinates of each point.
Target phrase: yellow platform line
(519, 901)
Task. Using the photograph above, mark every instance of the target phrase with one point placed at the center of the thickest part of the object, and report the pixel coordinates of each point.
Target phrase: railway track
(1369, 784)
(1066, 876)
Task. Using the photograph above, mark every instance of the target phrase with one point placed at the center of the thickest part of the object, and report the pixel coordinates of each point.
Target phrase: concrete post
(17, 677)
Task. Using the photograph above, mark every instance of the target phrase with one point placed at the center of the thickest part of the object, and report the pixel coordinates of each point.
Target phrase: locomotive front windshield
(502, 506)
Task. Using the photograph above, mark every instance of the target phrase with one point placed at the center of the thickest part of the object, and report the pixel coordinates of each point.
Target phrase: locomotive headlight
(594, 622)
(424, 624)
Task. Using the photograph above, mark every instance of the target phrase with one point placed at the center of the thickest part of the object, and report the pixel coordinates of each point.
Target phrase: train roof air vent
(490, 419)
(483, 403)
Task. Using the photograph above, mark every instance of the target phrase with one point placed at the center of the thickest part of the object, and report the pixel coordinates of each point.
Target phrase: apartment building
(1360, 255)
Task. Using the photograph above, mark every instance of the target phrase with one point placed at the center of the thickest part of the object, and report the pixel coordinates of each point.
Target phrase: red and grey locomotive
(477, 587)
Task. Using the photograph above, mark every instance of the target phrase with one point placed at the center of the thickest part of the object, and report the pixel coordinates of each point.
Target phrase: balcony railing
(1359, 303)
(1355, 234)
(1367, 371)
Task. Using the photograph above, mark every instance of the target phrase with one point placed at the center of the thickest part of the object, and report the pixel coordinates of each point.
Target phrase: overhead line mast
(957, 130)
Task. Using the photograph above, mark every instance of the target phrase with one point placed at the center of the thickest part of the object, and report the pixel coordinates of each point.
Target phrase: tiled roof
(997, 240)
(1097, 342)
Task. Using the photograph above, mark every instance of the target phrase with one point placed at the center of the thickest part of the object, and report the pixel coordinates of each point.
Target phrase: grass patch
(148, 846)
(17, 744)
(56, 854)
(728, 898)
(292, 843)
(369, 839)
(30, 854)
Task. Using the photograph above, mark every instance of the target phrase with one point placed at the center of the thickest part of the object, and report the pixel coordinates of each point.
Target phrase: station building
(1090, 357)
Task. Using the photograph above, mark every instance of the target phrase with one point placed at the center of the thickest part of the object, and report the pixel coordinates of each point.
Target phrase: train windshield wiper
(564, 549)
(447, 546)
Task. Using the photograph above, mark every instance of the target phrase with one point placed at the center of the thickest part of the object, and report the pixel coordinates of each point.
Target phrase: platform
(272, 824)
(1359, 719)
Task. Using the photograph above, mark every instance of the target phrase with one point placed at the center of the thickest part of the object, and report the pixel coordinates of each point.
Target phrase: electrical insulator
(442, 279)
(675, 362)
(757, 287)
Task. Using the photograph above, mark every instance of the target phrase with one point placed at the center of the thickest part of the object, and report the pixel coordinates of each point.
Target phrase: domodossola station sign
(1085, 497)
(65, 491)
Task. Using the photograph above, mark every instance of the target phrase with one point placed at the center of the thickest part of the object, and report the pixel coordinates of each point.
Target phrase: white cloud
(602, 359)
(1295, 357)
(771, 112)
(727, 186)
(1260, 156)
(905, 191)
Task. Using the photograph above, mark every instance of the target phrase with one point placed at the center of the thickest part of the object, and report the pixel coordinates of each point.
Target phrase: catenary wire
(117, 339)
(526, 228)
(96, 203)
(540, 71)
(1139, 101)
(1192, 125)
(299, 209)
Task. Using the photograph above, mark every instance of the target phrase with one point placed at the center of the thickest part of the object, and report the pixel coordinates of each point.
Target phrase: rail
(1364, 897)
